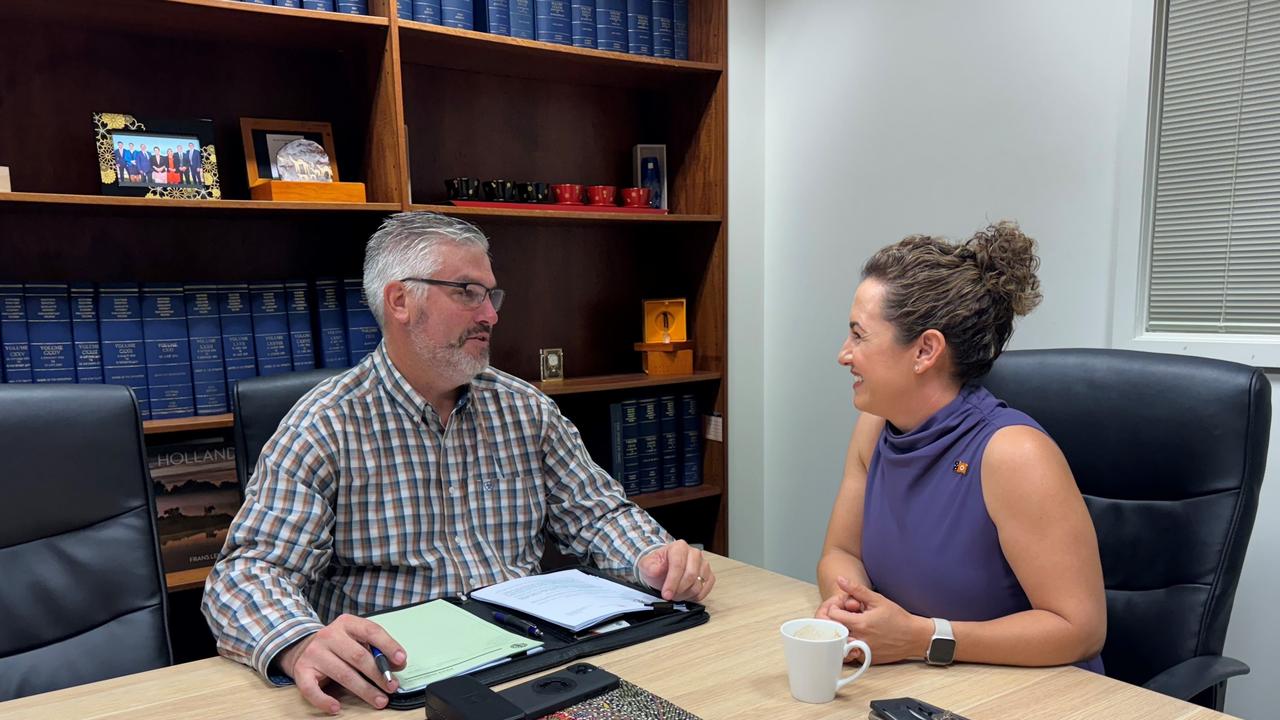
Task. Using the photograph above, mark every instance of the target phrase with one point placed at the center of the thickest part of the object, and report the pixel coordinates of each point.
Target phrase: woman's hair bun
(1006, 259)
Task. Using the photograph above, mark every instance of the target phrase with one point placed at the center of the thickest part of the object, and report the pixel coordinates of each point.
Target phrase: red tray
(558, 206)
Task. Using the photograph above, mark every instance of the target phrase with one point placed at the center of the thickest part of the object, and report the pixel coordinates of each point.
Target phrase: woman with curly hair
(958, 532)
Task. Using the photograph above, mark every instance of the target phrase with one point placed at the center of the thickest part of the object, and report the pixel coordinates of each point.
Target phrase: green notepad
(443, 640)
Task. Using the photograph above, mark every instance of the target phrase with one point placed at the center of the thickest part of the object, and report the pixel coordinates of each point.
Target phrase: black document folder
(560, 645)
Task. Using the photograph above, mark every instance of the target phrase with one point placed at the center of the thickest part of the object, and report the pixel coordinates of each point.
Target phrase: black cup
(526, 192)
(499, 190)
(462, 188)
(541, 193)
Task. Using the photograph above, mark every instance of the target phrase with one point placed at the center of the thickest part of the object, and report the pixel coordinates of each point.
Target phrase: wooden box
(296, 191)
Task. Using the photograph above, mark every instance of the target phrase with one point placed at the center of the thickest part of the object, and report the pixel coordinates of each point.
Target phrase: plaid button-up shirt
(364, 500)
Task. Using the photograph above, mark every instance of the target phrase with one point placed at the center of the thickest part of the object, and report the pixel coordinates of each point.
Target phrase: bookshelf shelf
(470, 51)
(186, 579)
(228, 20)
(199, 422)
(197, 206)
(672, 497)
(563, 216)
(601, 383)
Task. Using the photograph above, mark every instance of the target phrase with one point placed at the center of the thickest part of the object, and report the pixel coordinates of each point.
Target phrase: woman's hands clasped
(893, 633)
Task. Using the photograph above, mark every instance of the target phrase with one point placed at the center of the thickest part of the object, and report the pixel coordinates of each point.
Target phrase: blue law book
(615, 441)
(668, 443)
(492, 16)
(640, 27)
(53, 358)
(648, 434)
(611, 25)
(680, 28)
(582, 22)
(352, 7)
(690, 442)
(168, 350)
(318, 5)
(457, 14)
(298, 307)
(363, 334)
(522, 19)
(427, 11)
(204, 330)
(333, 329)
(124, 358)
(258, 2)
(551, 21)
(13, 334)
(404, 9)
(270, 328)
(630, 447)
(84, 333)
(288, 3)
(663, 26)
(235, 315)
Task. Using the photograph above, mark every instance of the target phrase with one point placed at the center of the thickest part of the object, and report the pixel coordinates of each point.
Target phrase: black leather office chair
(82, 592)
(1169, 452)
(260, 404)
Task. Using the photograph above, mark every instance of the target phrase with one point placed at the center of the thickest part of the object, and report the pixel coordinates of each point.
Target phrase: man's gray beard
(451, 361)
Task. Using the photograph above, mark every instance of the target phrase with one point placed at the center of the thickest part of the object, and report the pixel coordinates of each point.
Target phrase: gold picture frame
(123, 171)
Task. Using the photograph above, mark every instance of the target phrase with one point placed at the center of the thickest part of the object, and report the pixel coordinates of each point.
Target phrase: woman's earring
(917, 368)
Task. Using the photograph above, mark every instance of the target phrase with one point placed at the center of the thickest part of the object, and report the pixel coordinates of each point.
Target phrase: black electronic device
(462, 697)
(909, 709)
(558, 690)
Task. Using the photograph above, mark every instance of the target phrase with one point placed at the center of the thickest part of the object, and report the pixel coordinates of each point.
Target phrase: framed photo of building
(145, 157)
(290, 150)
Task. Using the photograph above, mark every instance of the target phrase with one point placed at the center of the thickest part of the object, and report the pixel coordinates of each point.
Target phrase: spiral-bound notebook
(627, 702)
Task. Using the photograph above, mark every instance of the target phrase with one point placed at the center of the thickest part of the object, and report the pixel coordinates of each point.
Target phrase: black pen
(515, 622)
(384, 666)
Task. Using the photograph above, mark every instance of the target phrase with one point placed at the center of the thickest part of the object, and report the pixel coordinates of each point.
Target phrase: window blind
(1215, 190)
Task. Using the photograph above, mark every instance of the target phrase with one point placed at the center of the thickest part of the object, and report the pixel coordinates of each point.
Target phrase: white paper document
(569, 598)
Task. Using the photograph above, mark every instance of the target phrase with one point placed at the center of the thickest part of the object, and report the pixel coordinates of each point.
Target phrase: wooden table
(731, 667)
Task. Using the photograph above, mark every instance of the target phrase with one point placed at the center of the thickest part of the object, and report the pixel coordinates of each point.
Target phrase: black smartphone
(463, 697)
(909, 709)
(558, 690)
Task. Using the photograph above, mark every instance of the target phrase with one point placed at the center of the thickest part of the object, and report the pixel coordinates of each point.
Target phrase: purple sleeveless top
(928, 543)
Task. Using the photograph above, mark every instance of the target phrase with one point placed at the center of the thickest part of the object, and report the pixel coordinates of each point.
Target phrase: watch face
(942, 651)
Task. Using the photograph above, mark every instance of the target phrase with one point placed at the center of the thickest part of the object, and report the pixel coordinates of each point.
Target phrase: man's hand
(680, 571)
(340, 653)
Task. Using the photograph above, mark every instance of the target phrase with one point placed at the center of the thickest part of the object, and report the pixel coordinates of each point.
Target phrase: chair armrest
(1195, 675)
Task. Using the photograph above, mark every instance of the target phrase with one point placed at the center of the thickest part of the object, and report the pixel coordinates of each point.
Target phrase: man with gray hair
(421, 472)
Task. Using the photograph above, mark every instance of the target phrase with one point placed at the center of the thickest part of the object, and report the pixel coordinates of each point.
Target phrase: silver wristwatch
(942, 646)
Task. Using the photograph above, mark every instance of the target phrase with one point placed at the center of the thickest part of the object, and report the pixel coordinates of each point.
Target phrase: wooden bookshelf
(411, 105)
(603, 383)
(191, 206)
(663, 498)
(188, 424)
(186, 579)
(479, 214)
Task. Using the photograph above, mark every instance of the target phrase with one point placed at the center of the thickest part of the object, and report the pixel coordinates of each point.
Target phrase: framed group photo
(162, 158)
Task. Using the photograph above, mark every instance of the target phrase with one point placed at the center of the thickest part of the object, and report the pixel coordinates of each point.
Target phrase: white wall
(745, 424)
(883, 118)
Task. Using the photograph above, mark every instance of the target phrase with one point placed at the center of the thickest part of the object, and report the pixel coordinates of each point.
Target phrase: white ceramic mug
(815, 650)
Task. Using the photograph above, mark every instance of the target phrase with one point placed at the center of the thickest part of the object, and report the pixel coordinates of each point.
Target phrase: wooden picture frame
(173, 159)
(258, 133)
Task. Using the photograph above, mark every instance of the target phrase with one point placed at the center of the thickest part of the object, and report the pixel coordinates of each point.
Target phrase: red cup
(568, 193)
(635, 197)
(602, 195)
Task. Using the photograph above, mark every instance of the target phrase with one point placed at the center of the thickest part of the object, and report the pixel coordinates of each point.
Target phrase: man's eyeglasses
(473, 294)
